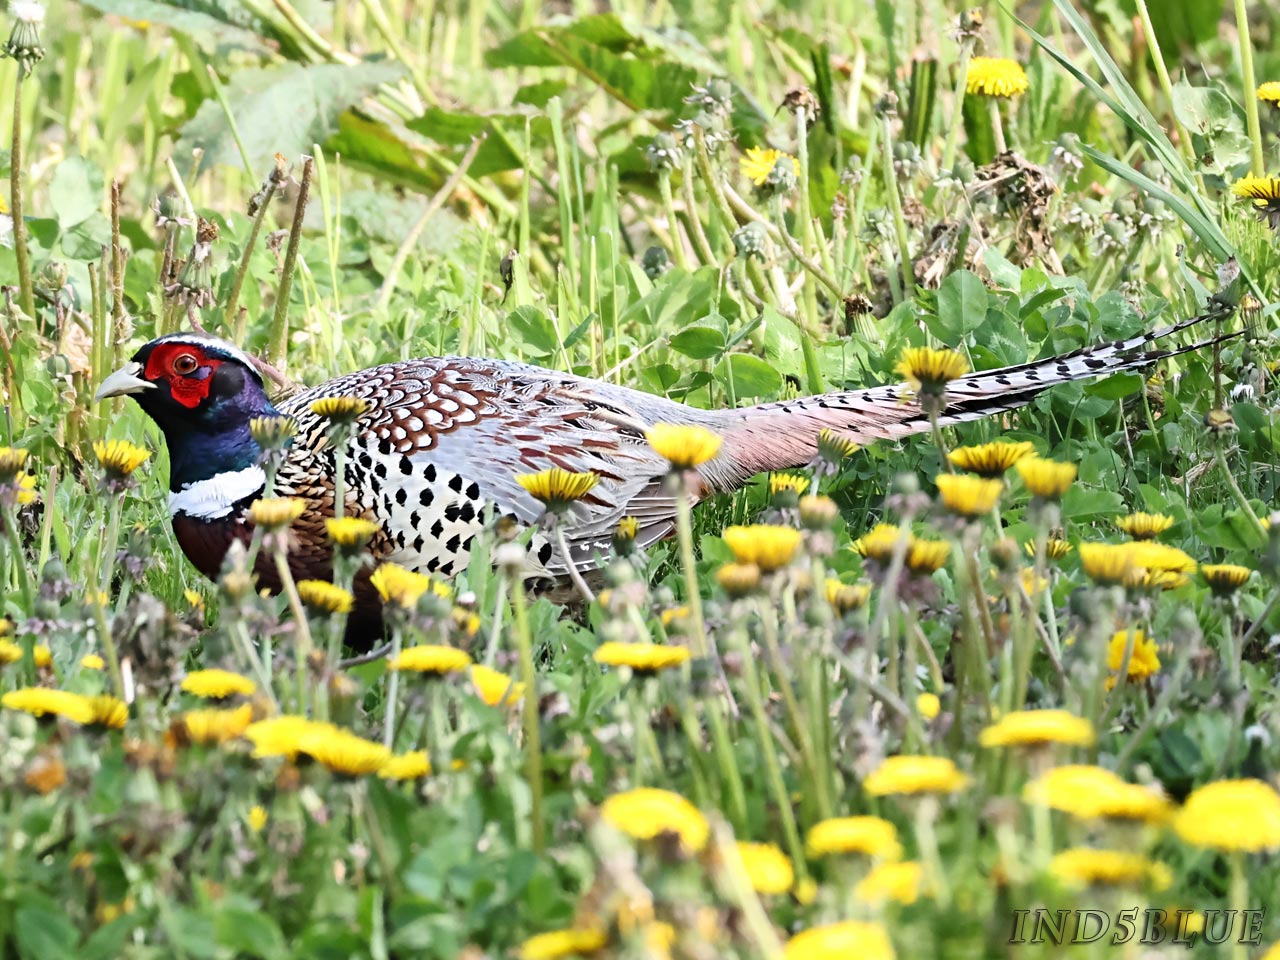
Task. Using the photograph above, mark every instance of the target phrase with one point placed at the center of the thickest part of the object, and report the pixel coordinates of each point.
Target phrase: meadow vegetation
(871, 708)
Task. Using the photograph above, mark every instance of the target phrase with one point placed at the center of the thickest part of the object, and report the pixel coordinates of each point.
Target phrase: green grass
(612, 171)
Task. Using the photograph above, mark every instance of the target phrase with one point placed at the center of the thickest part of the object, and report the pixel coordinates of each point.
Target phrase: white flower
(28, 11)
(6, 230)
(1242, 391)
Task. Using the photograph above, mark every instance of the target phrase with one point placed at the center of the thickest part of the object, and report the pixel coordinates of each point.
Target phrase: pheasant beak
(124, 381)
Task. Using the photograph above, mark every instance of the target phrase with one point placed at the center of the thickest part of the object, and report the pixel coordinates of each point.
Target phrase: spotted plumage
(434, 459)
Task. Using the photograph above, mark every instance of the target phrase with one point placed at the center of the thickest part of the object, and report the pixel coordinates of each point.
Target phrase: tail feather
(784, 434)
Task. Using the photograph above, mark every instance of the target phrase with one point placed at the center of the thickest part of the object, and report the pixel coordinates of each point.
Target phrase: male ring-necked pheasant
(435, 458)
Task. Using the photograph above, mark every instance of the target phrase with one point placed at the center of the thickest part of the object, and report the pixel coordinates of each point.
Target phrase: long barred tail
(775, 436)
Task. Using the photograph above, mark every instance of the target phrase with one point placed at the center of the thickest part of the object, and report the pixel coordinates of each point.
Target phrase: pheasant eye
(185, 363)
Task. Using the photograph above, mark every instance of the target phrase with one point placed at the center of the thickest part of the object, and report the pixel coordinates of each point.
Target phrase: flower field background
(871, 708)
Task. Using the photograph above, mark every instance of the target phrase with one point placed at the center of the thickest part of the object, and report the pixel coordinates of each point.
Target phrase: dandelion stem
(393, 693)
(574, 573)
(673, 221)
(104, 628)
(532, 736)
(1257, 166)
(243, 269)
(302, 629)
(895, 206)
(957, 107)
(1221, 456)
(26, 292)
(997, 125)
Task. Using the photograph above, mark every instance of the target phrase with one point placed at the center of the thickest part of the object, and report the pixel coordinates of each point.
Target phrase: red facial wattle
(187, 370)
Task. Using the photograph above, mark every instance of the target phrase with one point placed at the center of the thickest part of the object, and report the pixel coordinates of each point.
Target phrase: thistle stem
(280, 321)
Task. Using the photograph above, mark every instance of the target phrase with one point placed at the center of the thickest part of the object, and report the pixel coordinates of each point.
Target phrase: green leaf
(214, 25)
(250, 933)
(376, 148)
(535, 329)
(1113, 388)
(75, 192)
(700, 341)
(42, 931)
(86, 240)
(752, 377)
(503, 133)
(280, 109)
(962, 307)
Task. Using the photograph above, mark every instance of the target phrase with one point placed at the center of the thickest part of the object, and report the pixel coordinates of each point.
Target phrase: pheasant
(434, 459)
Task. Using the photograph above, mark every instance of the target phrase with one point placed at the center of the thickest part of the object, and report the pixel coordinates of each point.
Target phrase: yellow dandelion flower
(119, 458)
(557, 944)
(968, 495)
(342, 752)
(26, 494)
(683, 446)
(1160, 557)
(12, 460)
(431, 658)
(1261, 190)
(928, 705)
(783, 484)
(407, 766)
(1225, 578)
(840, 941)
(899, 882)
(995, 77)
(768, 546)
(627, 528)
(647, 812)
(1031, 583)
(194, 600)
(643, 658)
(213, 726)
(494, 687)
(872, 836)
(403, 587)
(834, 447)
(880, 542)
(1054, 548)
(1269, 92)
(325, 597)
(768, 869)
(1231, 815)
(351, 533)
(1144, 661)
(468, 621)
(908, 774)
(345, 409)
(1108, 564)
(927, 369)
(1094, 793)
(90, 661)
(10, 652)
(281, 736)
(674, 615)
(42, 656)
(217, 684)
(256, 818)
(1145, 526)
(845, 597)
(1085, 866)
(109, 712)
(1036, 728)
(276, 513)
(1046, 479)
(41, 702)
(758, 163)
(272, 433)
(738, 579)
(990, 460)
(558, 488)
(926, 557)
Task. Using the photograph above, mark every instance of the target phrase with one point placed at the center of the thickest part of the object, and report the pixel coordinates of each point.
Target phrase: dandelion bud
(751, 240)
(24, 44)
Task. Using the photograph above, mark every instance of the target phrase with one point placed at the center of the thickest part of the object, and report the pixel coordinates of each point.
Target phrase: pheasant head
(202, 393)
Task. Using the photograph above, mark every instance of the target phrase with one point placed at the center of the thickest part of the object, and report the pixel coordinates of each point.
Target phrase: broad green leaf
(752, 377)
(85, 240)
(75, 192)
(250, 933)
(535, 329)
(700, 341)
(503, 133)
(962, 307)
(43, 932)
(1113, 388)
(280, 109)
(215, 24)
(376, 148)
